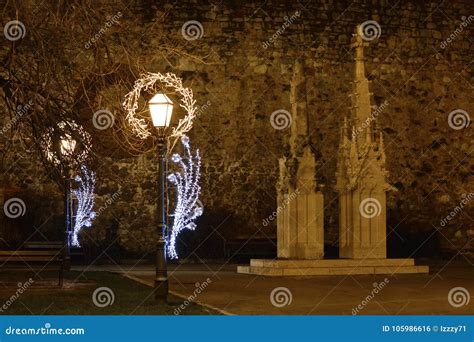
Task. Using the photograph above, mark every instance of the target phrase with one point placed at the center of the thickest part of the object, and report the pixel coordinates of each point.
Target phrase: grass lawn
(44, 298)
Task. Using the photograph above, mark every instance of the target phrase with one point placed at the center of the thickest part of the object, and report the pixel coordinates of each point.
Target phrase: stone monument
(361, 183)
(300, 221)
(361, 175)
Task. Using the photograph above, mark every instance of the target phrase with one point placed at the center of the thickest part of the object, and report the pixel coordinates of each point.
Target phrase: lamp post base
(67, 263)
(161, 277)
(161, 290)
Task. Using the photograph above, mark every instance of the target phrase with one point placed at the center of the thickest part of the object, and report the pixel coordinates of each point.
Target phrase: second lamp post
(68, 145)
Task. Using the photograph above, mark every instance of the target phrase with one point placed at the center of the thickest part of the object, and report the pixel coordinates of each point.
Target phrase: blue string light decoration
(188, 207)
(84, 193)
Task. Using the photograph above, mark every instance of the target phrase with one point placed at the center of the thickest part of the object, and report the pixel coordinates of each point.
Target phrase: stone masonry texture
(246, 77)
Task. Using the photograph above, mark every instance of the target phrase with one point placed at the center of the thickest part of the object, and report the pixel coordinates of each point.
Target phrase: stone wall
(245, 78)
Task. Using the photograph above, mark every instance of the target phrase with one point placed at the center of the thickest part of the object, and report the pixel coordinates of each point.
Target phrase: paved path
(233, 293)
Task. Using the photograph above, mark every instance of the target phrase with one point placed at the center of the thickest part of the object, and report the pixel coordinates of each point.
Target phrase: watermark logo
(103, 296)
(19, 113)
(14, 30)
(14, 207)
(459, 119)
(103, 119)
(370, 30)
(108, 24)
(457, 209)
(458, 296)
(465, 22)
(202, 109)
(280, 297)
(46, 330)
(282, 206)
(197, 291)
(379, 110)
(377, 287)
(279, 32)
(370, 208)
(281, 119)
(108, 202)
(21, 288)
(192, 30)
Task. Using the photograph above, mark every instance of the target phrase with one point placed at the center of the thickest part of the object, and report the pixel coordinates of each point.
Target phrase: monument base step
(294, 267)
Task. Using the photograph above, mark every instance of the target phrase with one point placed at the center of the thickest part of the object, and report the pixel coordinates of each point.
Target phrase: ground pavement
(222, 289)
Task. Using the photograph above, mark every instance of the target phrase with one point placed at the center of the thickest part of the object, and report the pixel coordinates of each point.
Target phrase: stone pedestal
(362, 228)
(300, 218)
(300, 232)
(327, 267)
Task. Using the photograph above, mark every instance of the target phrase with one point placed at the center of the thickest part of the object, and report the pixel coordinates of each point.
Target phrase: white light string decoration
(65, 153)
(84, 193)
(146, 82)
(187, 187)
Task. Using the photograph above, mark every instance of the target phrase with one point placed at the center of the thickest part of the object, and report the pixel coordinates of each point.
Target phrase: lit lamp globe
(161, 109)
(68, 144)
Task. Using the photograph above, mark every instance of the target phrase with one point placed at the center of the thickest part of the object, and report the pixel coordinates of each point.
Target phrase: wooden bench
(43, 245)
(33, 261)
(74, 252)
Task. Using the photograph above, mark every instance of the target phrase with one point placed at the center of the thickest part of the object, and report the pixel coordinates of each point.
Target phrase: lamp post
(161, 109)
(68, 144)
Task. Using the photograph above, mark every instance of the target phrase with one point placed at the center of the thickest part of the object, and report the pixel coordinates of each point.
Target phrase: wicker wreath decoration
(66, 130)
(170, 81)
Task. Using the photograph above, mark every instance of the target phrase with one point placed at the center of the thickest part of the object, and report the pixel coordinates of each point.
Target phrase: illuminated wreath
(66, 130)
(170, 81)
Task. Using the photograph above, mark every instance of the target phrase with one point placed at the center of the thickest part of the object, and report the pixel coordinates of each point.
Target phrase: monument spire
(361, 175)
(300, 220)
(299, 126)
(362, 106)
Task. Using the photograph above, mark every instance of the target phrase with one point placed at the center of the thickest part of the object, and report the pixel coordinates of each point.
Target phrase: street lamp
(161, 109)
(67, 147)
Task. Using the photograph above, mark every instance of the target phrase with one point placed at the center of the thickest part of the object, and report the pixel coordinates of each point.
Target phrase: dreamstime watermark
(46, 330)
(465, 22)
(458, 296)
(369, 30)
(103, 296)
(279, 32)
(459, 119)
(370, 207)
(14, 30)
(281, 119)
(457, 209)
(14, 207)
(377, 288)
(203, 108)
(197, 291)
(103, 119)
(108, 202)
(280, 297)
(192, 30)
(379, 110)
(108, 24)
(21, 288)
(287, 199)
(19, 113)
